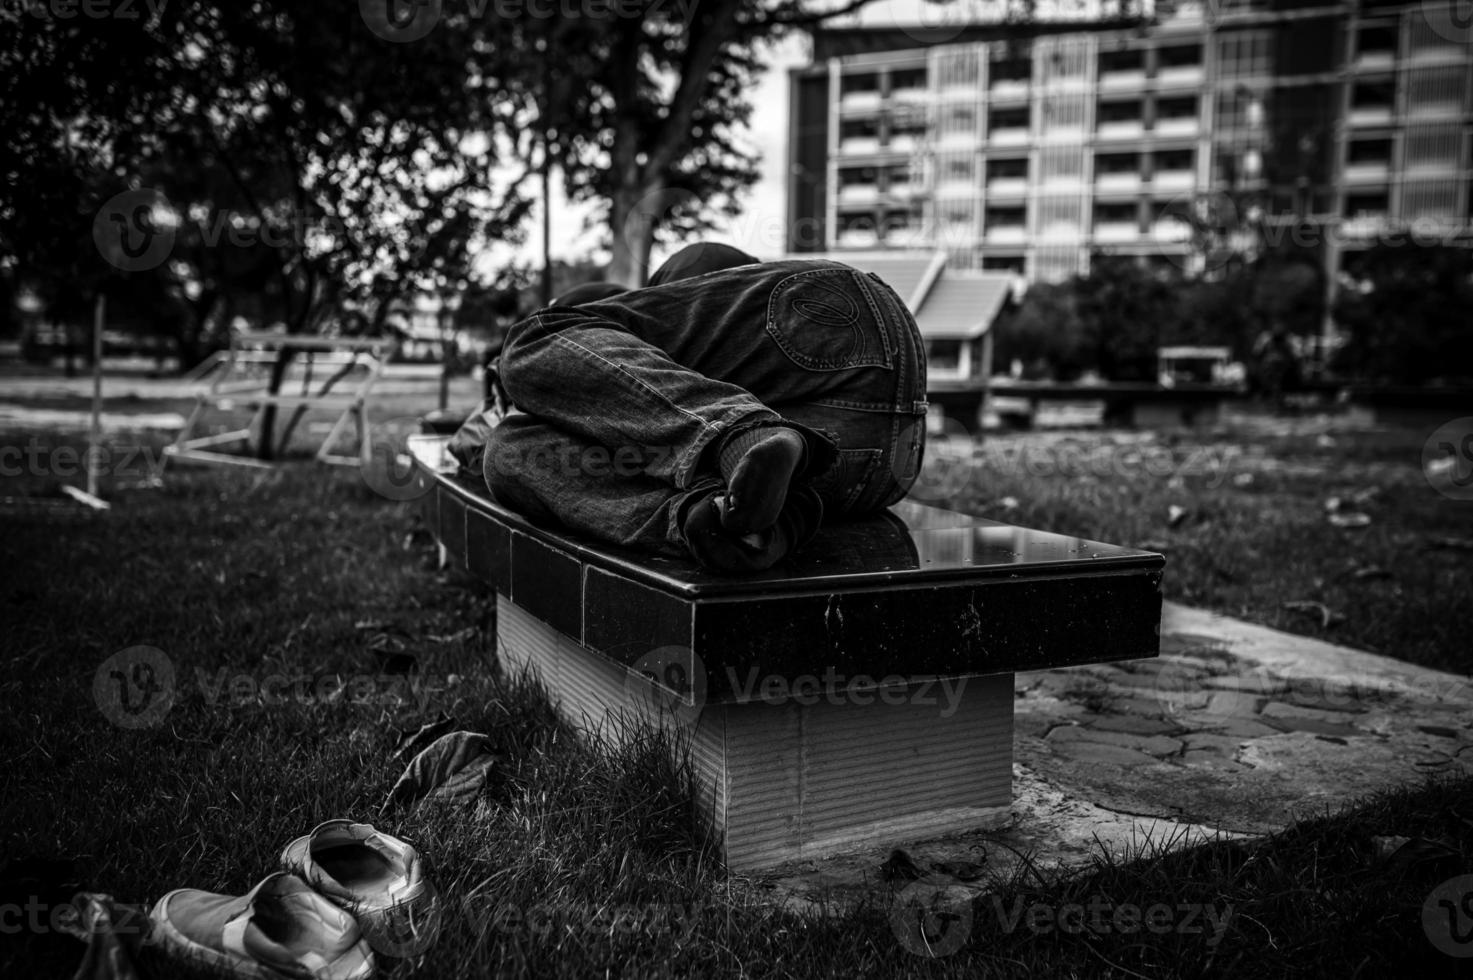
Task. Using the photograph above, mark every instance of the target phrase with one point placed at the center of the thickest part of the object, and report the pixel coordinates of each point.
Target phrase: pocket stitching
(820, 364)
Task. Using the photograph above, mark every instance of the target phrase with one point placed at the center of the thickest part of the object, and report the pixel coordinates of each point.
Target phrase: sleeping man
(720, 413)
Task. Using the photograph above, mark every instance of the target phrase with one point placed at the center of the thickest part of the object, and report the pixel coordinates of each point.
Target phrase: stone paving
(1235, 730)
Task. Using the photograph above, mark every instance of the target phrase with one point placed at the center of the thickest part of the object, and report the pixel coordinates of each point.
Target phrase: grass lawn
(578, 862)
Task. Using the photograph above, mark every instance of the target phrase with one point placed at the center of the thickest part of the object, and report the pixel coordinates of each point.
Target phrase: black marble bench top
(917, 591)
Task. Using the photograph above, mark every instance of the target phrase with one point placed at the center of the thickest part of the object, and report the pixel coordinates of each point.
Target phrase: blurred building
(1322, 127)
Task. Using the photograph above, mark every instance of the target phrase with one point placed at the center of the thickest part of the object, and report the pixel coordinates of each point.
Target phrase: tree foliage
(1404, 310)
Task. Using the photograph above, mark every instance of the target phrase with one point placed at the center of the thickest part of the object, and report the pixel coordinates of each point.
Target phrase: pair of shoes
(345, 888)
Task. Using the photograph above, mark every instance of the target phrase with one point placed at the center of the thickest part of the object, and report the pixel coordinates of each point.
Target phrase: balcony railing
(1176, 126)
(1007, 88)
(1367, 172)
(851, 194)
(1007, 187)
(1118, 182)
(1373, 115)
(1008, 136)
(1117, 231)
(1120, 129)
(859, 144)
(1174, 180)
(1133, 78)
(1006, 235)
(1171, 230)
(902, 143)
(1176, 75)
(859, 102)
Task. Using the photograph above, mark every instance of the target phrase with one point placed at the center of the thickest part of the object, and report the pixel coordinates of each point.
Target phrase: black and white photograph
(736, 488)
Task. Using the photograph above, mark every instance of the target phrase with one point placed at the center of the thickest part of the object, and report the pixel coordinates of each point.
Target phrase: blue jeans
(620, 401)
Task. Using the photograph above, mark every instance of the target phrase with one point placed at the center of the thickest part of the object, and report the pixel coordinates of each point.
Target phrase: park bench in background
(863, 694)
(316, 366)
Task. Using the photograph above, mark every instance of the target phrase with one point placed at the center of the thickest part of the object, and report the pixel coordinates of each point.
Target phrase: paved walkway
(1234, 730)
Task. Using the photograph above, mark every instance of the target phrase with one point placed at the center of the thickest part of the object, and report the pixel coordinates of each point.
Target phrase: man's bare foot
(759, 466)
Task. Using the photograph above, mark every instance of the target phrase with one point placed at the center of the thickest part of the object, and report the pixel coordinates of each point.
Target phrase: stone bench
(862, 694)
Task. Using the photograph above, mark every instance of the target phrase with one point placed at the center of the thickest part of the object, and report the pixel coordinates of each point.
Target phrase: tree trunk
(633, 216)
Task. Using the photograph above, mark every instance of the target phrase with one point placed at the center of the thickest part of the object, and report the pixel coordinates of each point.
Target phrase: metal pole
(546, 111)
(94, 440)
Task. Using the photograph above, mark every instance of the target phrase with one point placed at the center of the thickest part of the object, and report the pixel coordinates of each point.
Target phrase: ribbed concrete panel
(785, 781)
(808, 780)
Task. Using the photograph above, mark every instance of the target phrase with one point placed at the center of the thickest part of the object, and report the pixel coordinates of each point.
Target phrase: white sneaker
(279, 929)
(376, 877)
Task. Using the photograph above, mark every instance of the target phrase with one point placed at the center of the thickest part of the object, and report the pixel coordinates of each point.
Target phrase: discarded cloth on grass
(112, 931)
(454, 768)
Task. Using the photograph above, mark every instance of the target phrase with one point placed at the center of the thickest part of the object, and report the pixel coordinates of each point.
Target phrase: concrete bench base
(781, 780)
(861, 693)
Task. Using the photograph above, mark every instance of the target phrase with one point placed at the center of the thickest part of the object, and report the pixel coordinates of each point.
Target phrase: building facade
(1323, 127)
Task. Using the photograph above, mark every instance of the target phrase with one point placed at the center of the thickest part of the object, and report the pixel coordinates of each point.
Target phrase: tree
(644, 112)
(297, 152)
(1125, 309)
(1404, 310)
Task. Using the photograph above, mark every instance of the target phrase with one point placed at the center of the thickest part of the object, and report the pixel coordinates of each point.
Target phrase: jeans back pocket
(827, 320)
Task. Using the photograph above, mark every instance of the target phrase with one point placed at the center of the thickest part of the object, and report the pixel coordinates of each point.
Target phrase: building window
(1174, 159)
(857, 84)
(1130, 59)
(1373, 94)
(1368, 151)
(1244, 53)
(1122, 213)
(1376, 39)
(1003, 263)
(944, 355)
(1119, 112)
(1184, 107)
(1373, 204)
(859, 129)
(1008, 119)
(1007, 168)
(959, 169)
(1000, 217)
(1181, 56)
(1117, 163)
(908, 78)
(1007, 69)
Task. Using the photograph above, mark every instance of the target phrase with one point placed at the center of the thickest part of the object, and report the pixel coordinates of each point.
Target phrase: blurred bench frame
(237, 381)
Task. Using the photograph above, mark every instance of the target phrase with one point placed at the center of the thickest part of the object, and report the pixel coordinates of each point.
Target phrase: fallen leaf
(411, 743)
(1370, 572)
(453, 768)
(1008, 503)
(1332, 504)
(1175, 515)
(1456, 544)
(1350, 519)
(1243, 480)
